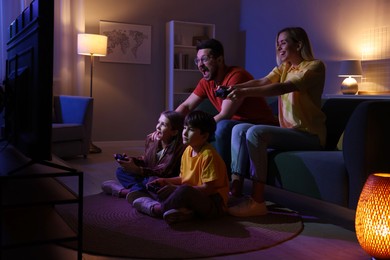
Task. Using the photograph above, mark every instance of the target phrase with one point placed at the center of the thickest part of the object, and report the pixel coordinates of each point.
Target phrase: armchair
(72, 125)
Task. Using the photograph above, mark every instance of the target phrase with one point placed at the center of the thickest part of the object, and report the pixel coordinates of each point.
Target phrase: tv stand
(13, 162)
(44, 163)
(30, 192)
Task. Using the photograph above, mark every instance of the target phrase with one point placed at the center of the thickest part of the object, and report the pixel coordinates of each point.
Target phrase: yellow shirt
(205, 167)
(301, 109)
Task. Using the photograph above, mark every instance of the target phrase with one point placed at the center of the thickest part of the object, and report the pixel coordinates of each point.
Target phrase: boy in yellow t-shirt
(202, 187)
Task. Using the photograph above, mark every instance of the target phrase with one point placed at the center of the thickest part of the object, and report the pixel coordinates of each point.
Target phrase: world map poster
(127, 43)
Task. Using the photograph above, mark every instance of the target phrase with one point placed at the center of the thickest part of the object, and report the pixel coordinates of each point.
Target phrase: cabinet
(30, 225)
(181, 73)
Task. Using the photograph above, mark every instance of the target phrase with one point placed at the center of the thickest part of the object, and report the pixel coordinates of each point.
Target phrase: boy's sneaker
(133, 195)
(112, 187)
(177, 215)
(248, 208)
(145, 205)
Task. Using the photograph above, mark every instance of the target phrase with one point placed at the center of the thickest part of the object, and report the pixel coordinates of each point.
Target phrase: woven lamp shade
(372, 221)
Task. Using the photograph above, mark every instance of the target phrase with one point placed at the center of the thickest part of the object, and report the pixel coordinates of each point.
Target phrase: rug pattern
(113, 228)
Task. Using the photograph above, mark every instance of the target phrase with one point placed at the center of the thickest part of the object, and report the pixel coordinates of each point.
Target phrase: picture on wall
(127, 43)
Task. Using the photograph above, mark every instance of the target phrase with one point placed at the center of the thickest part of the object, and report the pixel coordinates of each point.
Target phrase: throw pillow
(340, 142)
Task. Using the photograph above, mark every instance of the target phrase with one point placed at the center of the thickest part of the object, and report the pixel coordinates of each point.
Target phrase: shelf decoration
(198, 39)
(127, 43)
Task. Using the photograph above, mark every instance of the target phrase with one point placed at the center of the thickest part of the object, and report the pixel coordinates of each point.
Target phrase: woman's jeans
(251, 142)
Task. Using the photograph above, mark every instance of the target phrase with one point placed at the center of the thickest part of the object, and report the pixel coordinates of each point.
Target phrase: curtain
(69, 67)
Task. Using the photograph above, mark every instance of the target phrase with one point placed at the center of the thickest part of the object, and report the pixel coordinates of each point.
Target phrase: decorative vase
(349, 86)
(372, 221)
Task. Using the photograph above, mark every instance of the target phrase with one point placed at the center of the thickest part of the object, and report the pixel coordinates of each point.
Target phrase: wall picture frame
(127, 43)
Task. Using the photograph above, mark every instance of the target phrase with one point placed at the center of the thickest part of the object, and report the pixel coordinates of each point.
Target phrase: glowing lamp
(350, 69)
(92, 45)
(372, 221)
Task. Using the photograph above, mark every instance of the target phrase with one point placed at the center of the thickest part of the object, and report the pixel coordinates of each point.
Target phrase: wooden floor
(322, 237)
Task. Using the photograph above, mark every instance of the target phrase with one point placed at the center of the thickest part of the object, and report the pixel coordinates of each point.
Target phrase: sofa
(337, 173)
(72, 125)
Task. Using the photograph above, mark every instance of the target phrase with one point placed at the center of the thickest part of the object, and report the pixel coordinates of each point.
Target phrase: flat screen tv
(29, 81)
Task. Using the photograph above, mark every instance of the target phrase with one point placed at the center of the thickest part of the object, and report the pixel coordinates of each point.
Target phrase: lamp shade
(91, 44)
(350, 68)
(372, 221)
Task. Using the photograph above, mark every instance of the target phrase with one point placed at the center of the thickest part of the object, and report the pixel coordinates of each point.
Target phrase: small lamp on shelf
(348, 70)
(92, 45)
(372, 221)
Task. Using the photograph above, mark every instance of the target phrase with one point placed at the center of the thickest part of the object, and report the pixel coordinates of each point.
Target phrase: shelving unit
(181, 73)
(29, 221)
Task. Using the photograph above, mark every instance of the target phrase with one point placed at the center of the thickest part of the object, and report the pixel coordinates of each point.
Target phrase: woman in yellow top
(298, 81)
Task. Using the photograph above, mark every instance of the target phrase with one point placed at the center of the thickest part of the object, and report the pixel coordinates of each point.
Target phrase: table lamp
(92, 45)
(372, 221)
(350, 69)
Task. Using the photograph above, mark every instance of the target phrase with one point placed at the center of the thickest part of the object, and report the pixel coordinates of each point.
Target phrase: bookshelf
(181, 73)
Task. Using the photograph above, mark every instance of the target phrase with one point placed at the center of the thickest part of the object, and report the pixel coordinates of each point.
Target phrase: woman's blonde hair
(297, 34)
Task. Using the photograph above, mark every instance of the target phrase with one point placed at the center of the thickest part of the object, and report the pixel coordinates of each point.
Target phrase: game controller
(121, 157)
(153, 187)
(222, 92)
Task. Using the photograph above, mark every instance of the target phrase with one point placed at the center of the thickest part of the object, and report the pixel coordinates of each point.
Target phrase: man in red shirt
(211, 63)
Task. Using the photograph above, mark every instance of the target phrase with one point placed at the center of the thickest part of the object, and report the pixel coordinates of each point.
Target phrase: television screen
(29, 81)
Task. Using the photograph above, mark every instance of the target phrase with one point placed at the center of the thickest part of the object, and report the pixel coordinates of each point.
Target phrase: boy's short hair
(203, 121)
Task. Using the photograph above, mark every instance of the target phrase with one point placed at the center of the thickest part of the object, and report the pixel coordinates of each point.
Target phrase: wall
(335, 28)
(130, 97)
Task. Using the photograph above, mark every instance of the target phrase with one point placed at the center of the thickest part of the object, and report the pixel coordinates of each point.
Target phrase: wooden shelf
(45, 251)
(40, 191)
(28, 219)
(33, 225)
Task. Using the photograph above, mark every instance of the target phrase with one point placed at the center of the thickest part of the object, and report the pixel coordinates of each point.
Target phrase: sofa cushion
(69, 110)
(337, 113)
(318, 174)
(366, 144)
(67, 132)
(340, 142)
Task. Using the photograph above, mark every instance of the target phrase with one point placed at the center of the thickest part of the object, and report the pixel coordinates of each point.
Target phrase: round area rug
(113, 228)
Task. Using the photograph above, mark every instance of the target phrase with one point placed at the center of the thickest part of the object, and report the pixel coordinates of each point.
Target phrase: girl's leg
(128, 180)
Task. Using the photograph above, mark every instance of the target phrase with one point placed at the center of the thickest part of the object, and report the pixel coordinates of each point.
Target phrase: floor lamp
(92, 45)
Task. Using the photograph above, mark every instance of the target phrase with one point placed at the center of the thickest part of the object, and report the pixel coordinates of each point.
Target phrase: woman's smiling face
(288, 50)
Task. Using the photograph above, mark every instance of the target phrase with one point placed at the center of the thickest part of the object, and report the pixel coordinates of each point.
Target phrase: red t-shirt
(253, 109)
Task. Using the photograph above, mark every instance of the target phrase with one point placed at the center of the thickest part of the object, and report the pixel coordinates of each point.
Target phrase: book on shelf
(182, 61)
